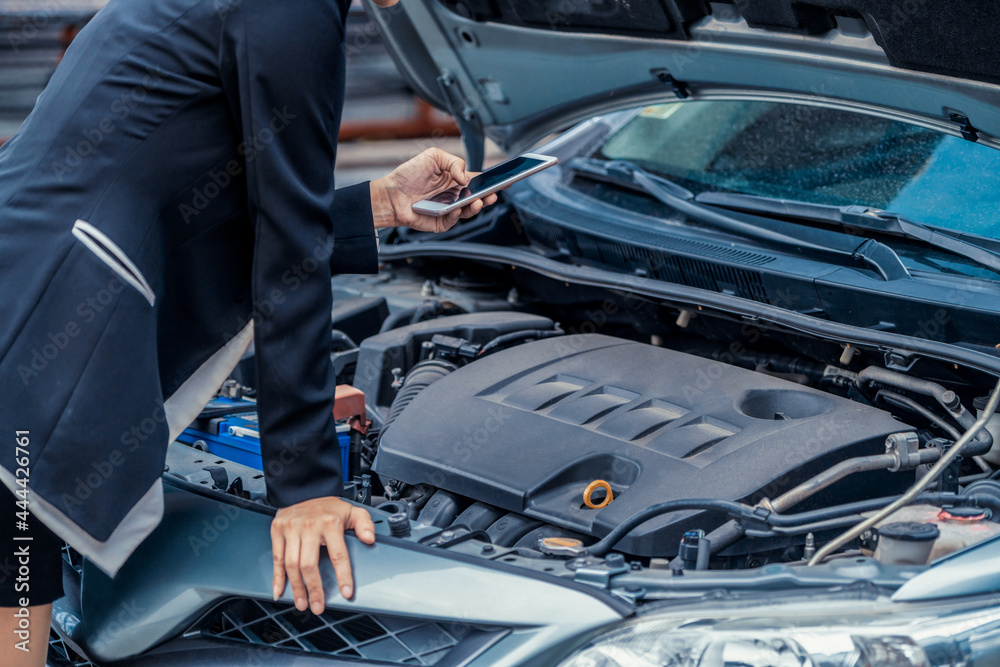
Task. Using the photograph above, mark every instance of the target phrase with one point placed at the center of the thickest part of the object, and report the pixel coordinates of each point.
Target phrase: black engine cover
(529, 428)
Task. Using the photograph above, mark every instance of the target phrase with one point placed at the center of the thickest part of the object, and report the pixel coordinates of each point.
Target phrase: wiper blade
(876, 255)
(682, 200)
(855, 218)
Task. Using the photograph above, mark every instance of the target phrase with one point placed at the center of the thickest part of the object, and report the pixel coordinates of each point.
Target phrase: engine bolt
(950, 399)
(810, 548)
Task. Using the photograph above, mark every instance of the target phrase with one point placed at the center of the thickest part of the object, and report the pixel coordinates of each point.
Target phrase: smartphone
(491, 180)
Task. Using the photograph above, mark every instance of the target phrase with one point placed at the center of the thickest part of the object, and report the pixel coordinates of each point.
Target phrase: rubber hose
(420, 376)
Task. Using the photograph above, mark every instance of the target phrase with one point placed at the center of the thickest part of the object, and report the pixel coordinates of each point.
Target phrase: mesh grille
(390, 639)
(61, 655)
(618, 247)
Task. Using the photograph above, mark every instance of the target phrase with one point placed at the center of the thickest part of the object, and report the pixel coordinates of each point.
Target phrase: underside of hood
(515, 70)
(952, 37)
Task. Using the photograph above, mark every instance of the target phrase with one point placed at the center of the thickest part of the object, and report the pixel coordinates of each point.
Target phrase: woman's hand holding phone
(416, 180)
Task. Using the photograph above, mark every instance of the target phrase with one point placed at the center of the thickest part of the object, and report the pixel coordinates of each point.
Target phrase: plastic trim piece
(693, 296)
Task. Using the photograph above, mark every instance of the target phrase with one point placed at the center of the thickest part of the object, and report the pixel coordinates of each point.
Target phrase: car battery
(228, 428)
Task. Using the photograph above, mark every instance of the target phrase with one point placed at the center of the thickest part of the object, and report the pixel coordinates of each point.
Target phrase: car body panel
(972, 571)
(905, 349)
(205, 551)
(519, 84)
(793, 281)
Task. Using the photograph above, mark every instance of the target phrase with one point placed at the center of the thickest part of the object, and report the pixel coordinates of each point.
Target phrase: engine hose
(908, 403)
(946, 398)
(731, 532)
(397, 319)
(412, 315)
(778, 521)
(516, 336)
(420, 376)
(849, 513)
(342, 341)
(605, 544)
(922, 483)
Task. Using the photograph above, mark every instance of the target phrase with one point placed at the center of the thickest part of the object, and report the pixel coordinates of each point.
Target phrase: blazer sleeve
(283, 75)
(354, 249)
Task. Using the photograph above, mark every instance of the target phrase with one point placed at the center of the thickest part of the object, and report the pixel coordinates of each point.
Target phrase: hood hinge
(469, 123)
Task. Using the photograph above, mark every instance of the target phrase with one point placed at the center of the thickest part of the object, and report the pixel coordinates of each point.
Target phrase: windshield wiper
(681, 199)
(855, 218)
(876, 255)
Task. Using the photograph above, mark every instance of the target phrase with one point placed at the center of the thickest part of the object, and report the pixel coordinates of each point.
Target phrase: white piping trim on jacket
(109, 556)
(109, 253)
(181, 409)
(186, 403)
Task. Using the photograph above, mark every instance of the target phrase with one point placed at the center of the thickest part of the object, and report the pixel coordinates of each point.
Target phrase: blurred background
(384, 123)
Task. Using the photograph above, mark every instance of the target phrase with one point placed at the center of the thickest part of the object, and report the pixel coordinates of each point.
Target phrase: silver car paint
(206, 551)
(524, 87)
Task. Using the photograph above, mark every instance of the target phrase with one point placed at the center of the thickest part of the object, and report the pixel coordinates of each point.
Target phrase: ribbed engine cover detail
(527, 429)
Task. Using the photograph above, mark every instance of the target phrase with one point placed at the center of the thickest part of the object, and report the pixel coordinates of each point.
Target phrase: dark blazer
(173, 184)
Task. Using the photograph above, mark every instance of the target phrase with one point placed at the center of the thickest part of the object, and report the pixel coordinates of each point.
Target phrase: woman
(170, 199)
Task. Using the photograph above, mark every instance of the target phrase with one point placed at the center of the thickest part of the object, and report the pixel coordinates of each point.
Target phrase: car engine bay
(538, 423)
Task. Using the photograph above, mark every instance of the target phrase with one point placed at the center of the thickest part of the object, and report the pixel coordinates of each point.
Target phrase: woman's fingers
(450, 164)
(361, 523)
(278, 555)
(341, 560)
(475, 207)
(298, 532)
(309, 569)
(292, 553)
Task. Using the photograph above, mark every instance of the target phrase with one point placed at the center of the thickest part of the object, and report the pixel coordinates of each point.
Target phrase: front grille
(655, 263)
(389, 639)
(657, 254)
(62, 655)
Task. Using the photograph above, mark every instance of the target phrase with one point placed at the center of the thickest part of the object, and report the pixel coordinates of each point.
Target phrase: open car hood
(516, 70)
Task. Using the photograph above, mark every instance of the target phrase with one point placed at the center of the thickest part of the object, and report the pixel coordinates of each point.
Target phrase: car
(718, 389)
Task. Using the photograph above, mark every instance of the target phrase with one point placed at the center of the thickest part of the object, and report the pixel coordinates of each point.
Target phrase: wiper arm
(876, 255)
(856, 218)
(682, 200)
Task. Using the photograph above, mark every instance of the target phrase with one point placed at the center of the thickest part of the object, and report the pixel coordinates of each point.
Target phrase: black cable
(516, 336)
(908, 403)
(739, 510)
(778, 521)
(987, 502)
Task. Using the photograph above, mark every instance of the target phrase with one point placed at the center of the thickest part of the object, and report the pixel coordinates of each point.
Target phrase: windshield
(818, 155)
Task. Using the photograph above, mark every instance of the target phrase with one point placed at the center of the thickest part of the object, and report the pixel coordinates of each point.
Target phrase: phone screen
(486, 180)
